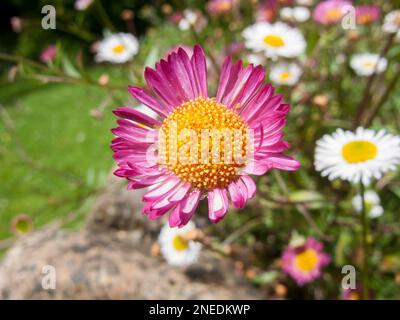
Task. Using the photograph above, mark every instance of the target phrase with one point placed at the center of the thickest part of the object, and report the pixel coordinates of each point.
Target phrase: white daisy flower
(274, 40)
(299, 14)
(372, 204)
(391, 24)
(117, 48)
(175, 248)
(357, 156)
(365, 64)
(285, 73)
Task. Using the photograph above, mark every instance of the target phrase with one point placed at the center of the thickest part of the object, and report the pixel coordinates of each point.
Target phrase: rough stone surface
(110, 259)
(111, 266)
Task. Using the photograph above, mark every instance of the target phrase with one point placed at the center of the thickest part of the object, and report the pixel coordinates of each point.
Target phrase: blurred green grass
(70, 150)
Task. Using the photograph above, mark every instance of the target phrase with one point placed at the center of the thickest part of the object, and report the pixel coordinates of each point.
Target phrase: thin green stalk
(364, 221)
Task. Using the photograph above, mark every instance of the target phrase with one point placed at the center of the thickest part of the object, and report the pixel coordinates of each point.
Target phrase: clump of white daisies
(176, 246)
(278, 40)
(117, 48)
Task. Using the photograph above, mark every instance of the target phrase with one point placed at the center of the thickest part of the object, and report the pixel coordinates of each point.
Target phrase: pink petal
(250, 186)
(135, 115)
(199, 66)
(143, 97)
(182, 214)
(217, 204)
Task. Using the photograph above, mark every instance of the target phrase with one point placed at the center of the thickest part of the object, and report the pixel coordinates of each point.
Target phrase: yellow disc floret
(359, 151)
(306, 261)
(204, 143)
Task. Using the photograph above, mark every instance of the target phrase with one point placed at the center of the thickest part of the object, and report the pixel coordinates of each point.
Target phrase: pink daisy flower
(146, 148)
(367, 14)
(48, 54)
(304, 263)
(330, 11)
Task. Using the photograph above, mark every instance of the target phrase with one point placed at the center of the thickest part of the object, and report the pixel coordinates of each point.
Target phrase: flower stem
(364, 220)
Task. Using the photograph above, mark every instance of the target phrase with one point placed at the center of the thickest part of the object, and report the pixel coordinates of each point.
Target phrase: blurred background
(60, 204)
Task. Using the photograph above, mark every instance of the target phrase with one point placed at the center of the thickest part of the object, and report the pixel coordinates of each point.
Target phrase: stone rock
(111, 265)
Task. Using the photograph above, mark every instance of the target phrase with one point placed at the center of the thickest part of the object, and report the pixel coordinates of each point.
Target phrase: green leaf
(265, 277)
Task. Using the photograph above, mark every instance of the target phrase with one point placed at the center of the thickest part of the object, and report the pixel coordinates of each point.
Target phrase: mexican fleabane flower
(330, 11)
(117, 48)
(305, 262)
(365, 64)
(285, 73)
(176, 248)
(203, 146)
(366, 14)
(275, 40)
(372, 204)
(391, 23)
(357, 156)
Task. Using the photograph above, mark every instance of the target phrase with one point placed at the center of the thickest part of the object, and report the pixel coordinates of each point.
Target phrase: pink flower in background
(179, 95)
(355, 294)
(267, 10)
(367, 14)
(187, 49)
(16, 24)
(218, 7)
(304, 263)
(233, 48)
(48, 54)
(330, 11)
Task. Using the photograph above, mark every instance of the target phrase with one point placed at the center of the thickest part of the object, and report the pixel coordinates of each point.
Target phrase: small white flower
(299, 14)
(285, 73)
(372, 204)
(357, 156)
(175, 248)
(365, 64)
(391, 24)
(189, 19)
(117, 48)
(274, 40)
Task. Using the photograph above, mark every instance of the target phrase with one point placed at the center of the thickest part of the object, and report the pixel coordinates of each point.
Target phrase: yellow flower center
(334, 14)
(354, 296)
(204, 143)
(285, 75)
(307, 260)
(359, 151)
(119, 48)
(274, 41)
(369, 64)
(179, 243)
